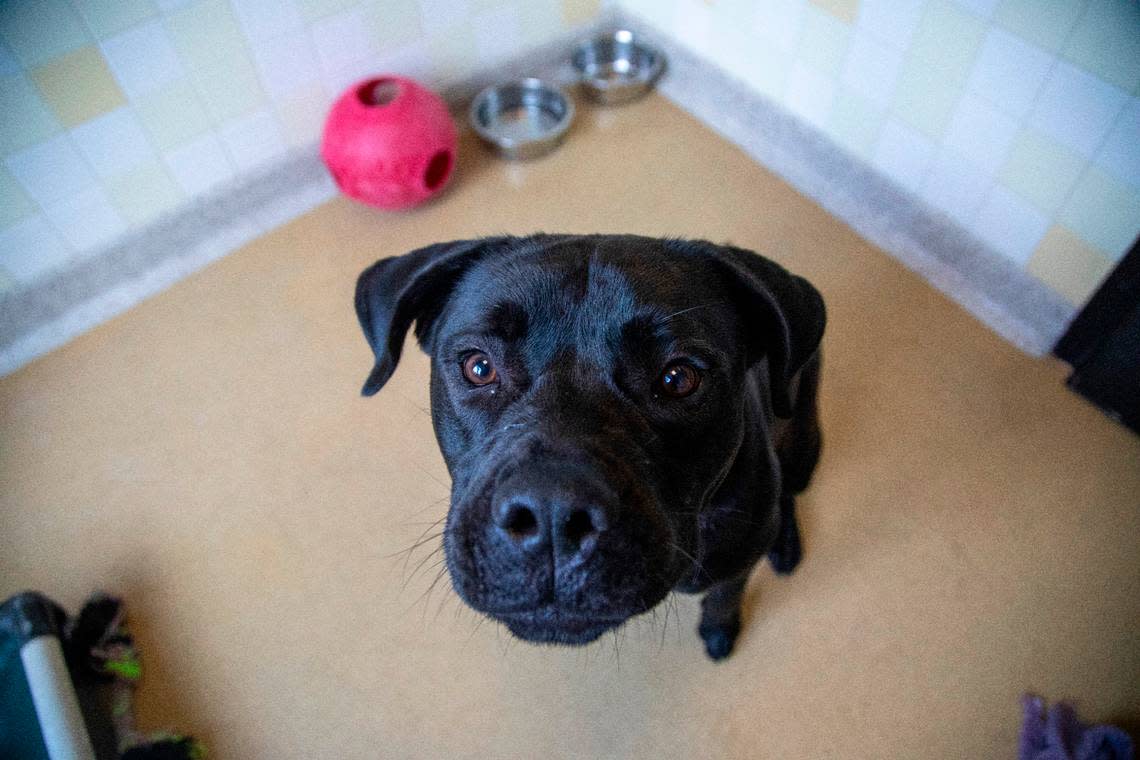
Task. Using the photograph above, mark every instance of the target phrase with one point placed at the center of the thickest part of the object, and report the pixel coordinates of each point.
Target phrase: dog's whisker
(426, 596)
(409, 576)
(411, 549)
(422, 538)
(433, 566)
(443, 601)
(661, 320)
(684, 553)
(676, 613)
(474, 630)
(425, 522)
(433, 503)
(431, 475)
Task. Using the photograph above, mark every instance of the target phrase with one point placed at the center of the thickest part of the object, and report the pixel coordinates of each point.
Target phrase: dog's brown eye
(478, 370)
(679, 380)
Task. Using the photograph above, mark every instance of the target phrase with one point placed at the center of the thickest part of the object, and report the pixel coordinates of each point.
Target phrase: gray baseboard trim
(91, 290)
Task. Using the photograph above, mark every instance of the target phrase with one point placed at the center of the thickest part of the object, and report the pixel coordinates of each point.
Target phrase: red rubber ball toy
(389, 142)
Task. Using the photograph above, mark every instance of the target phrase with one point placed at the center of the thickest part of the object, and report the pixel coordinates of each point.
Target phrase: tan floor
(973, 530)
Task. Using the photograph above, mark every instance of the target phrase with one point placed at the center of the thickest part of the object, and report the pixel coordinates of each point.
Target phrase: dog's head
(588, 395)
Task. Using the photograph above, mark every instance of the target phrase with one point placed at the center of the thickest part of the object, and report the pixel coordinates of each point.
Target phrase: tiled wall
(1020, 119)
(113, 112)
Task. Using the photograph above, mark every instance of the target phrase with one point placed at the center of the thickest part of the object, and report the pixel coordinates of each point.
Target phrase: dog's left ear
(394, 292)
(785, 316)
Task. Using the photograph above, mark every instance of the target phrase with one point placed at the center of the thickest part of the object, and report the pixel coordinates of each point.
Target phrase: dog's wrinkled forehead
(586, 297)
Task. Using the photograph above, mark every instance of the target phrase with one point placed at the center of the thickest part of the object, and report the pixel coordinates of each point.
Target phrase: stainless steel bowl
(617, 67)
(522, 119)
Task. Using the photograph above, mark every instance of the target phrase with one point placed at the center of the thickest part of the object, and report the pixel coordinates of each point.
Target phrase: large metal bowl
(522, 119)
(617, 67)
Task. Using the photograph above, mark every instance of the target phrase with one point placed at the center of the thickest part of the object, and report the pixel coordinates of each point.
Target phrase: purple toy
(1058, 735)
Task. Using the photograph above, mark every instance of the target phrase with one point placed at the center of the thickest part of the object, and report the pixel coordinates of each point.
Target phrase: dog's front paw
(719, 638)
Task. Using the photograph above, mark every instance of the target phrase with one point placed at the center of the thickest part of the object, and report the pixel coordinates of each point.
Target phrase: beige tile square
(579, 11)
(144, 193)
(78, 86)
(1068, 264)
(844, 10)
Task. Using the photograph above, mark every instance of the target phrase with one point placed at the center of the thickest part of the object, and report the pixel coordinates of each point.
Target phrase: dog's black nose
(537, 522)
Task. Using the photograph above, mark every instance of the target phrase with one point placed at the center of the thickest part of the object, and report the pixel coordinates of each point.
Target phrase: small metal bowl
(522, 119)
(617, 67)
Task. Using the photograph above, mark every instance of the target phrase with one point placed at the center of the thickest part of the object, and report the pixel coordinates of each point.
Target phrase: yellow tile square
(844, 10)
(78, 86)
(1068, 265)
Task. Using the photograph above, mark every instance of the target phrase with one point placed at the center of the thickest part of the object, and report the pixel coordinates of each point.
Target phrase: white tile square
(983, 8)
(87, 220)
(1076, 108)
(1009, 72)
(286, 63)
(892, 21)
(437, 16)
(904, 154)
(199, 165)
(113, 143)
(871, 68)
(50, 171)
(733, 51)
(254, 140)
(1120, 153)
(498, 35)
(809, 94)
(341, 79)
(343, 40)
(31, 248)
(780, 22)
(1009, 223)
(692, 25)
(263, 19)
(955, 186)
(142, 59)
(411, 61)
(980, 132)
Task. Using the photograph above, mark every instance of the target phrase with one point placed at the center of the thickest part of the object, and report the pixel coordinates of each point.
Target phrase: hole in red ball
(437, 169)
(378, 92)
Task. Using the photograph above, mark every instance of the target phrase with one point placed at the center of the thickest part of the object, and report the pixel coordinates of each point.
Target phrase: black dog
(621, 417)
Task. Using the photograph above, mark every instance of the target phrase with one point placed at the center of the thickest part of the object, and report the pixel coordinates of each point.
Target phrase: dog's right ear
(394, 292)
